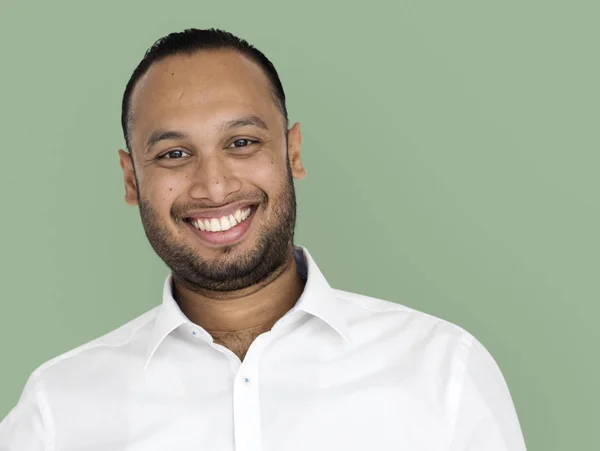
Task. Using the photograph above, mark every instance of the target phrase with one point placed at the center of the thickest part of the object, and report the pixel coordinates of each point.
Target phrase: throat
(238, 342)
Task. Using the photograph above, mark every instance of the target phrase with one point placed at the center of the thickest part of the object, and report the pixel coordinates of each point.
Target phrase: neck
(250, 311)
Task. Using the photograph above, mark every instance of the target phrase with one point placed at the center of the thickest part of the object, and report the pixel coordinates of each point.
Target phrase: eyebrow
(243, 121)
(163, 135)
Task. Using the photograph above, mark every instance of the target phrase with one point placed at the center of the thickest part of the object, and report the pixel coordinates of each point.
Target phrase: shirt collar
(317, 299)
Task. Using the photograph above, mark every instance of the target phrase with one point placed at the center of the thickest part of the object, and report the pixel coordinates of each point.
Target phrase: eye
(174, 154)
(242, 142)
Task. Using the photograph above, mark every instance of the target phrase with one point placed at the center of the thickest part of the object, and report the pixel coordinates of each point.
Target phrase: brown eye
(242, 142)
(173, 155)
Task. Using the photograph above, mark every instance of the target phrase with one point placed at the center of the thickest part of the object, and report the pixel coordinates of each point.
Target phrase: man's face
(210, 153)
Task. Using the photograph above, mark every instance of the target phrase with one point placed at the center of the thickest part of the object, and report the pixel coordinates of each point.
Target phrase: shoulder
(365, 307)
(127, 339)
(369, 318)
(421, 340)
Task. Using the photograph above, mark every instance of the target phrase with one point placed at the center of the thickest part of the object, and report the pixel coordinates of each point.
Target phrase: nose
(214, 180)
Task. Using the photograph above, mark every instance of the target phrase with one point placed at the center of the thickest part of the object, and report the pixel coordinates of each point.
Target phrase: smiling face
(213, 174)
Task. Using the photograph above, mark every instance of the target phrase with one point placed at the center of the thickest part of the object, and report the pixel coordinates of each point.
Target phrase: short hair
(193, 40)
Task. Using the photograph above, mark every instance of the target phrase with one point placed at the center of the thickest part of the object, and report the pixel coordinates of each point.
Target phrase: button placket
(246, 402)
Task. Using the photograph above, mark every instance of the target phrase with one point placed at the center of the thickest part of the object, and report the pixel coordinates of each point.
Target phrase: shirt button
(246, 380)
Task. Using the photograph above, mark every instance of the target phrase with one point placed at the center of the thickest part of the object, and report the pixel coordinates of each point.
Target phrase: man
(251, 349)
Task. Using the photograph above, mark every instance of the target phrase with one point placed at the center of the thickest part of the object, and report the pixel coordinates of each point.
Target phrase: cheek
(269, 175)
(161, 192)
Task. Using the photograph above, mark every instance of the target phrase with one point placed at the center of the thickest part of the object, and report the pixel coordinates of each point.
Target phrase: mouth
(223, 230)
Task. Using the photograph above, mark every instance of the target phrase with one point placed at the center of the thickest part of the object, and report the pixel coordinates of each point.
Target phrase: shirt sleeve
(486, 419)
(24, 427)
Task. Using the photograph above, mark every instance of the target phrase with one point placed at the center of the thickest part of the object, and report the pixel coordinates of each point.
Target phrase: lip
(218, 212)
(228, 237)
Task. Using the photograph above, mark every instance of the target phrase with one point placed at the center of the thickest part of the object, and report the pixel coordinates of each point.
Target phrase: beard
(269, 255)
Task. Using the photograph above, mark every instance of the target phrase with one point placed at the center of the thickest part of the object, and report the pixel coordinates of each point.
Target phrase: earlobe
(294, 154)
(128, 177)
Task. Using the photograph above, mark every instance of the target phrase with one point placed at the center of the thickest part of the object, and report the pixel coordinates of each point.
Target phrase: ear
(294, 141)
(128, 177)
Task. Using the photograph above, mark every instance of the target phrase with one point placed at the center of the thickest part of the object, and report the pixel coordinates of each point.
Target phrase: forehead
(203, 84)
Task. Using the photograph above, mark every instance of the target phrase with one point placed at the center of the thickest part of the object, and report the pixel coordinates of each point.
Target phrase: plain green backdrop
(452, 156)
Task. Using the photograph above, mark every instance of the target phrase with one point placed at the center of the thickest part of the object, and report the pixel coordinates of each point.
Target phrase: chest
(277, 409)
(279, 398)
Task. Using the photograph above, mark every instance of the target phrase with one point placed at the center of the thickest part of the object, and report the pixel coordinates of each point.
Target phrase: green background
(452, 157)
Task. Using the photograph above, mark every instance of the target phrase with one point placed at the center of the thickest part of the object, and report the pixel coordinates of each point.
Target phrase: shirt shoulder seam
(467, 343)
(47, 419)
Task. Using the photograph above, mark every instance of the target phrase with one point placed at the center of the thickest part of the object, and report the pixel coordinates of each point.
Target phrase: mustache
(178, 211)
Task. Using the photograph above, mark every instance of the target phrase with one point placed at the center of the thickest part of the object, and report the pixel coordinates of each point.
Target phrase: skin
(235, 292)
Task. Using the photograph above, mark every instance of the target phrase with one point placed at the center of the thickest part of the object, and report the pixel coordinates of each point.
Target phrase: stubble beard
(232, 270)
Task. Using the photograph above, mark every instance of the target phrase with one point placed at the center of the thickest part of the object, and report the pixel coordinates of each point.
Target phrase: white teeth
(224, 223)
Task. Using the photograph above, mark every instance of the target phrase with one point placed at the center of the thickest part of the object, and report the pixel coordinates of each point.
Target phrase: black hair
(193, 40)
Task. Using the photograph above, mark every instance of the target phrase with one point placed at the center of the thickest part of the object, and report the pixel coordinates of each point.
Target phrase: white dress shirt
(340, 371)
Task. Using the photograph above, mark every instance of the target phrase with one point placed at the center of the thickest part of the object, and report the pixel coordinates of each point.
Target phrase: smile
(224, 230)
(222, 223)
